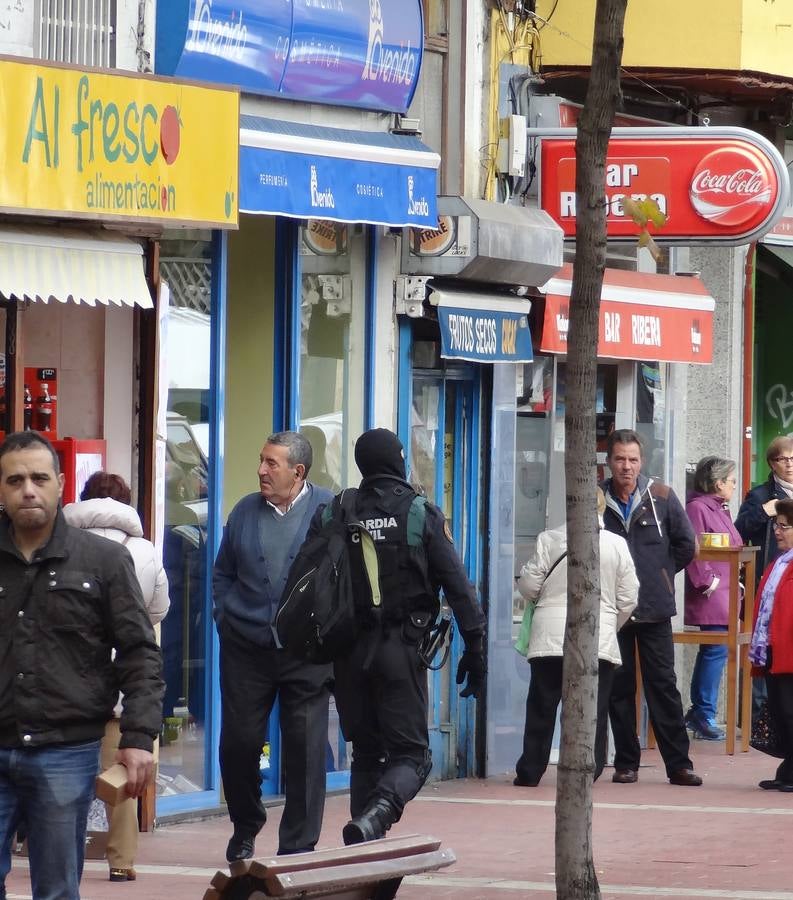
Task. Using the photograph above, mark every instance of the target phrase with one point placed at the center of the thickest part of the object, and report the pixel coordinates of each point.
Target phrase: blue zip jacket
(246, 596)
(661, 541)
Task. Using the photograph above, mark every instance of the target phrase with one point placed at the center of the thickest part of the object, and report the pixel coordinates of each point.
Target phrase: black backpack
(316, 619)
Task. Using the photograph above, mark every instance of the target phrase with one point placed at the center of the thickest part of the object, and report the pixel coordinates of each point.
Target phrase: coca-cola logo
(731, 185)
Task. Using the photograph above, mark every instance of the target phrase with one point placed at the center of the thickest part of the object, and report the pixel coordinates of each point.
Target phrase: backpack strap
(343, 508)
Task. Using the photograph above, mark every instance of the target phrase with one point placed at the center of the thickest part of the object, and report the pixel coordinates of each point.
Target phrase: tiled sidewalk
(726, 839)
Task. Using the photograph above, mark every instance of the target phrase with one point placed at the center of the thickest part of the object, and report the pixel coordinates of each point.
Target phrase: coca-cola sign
(714, 185)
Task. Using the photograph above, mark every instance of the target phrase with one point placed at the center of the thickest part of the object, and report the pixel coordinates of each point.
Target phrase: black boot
(372, 824)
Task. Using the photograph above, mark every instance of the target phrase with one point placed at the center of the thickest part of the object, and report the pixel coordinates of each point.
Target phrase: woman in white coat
(543, 580)
(105, 509)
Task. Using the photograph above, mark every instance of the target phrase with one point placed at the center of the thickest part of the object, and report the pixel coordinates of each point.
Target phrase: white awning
(81, 265)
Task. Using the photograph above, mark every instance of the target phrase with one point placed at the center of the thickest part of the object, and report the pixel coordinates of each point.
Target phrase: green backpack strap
(417, 515)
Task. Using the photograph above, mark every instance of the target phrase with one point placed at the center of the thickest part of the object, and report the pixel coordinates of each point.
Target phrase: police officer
(381, 687)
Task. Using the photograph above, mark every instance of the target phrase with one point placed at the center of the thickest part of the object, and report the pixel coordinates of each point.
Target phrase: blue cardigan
(244, 596)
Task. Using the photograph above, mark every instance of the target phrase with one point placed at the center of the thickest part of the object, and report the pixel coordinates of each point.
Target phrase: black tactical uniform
(381, 688)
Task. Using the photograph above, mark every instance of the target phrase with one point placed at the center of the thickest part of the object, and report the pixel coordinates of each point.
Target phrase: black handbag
(764, 736)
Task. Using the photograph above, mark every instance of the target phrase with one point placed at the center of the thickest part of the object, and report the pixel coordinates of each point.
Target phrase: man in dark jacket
(260, 541)
(69, 598)
(662, 542)
(756, 516)
(381, 688)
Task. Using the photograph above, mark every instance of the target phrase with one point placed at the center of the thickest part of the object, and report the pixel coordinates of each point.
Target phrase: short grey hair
(298, 449)
(710, 470)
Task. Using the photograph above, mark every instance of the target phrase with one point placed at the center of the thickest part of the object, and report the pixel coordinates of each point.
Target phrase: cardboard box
(111, 785)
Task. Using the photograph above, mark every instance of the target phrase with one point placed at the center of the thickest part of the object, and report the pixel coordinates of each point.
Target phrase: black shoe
(241, 846)
(518, 781)
(625, 776)
(371, 825)
(774, 784)
(685, 778)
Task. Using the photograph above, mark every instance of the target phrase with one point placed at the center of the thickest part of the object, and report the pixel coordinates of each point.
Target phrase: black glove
(472, 665)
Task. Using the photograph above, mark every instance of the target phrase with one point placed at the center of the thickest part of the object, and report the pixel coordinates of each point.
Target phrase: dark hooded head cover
(379, 452)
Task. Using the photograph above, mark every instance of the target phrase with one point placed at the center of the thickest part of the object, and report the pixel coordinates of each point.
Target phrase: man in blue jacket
(661, 540)
(261, 539)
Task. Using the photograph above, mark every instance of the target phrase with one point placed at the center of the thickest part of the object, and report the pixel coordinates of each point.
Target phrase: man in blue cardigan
(261, 539)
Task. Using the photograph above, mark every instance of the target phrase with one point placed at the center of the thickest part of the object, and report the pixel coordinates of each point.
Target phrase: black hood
(380, 452)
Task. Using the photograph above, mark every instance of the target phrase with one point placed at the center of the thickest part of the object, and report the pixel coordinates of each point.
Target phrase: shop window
(436, 23)
(332, 351)
(651, 416)
(185, 266)
(532, 454)
(332, 324)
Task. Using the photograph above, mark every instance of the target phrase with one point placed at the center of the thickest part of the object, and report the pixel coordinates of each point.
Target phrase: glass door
(443, 465)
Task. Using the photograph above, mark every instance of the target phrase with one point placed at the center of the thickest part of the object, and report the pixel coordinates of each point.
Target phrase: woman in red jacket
(771, 650)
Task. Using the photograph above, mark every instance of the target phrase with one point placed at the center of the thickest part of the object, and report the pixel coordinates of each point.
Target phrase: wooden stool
(737, 638)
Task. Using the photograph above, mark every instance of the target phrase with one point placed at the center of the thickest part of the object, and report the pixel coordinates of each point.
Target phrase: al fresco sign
(364, 53)
(714, 185)
(113, 147)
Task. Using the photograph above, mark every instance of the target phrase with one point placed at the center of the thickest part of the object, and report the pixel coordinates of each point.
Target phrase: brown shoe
(122, 875)
(625, 776)
(685, 778)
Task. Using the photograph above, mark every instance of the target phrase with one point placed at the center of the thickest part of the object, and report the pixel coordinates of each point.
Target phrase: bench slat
(388, 848)
(311, 882)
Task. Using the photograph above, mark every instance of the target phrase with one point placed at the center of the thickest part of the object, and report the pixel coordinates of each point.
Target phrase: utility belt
(431, 634)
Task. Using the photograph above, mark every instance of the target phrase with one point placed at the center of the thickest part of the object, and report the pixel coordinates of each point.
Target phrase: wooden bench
(370, 871)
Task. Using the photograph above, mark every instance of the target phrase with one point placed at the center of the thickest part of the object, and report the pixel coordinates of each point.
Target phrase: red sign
(663, 318)
(725, 185)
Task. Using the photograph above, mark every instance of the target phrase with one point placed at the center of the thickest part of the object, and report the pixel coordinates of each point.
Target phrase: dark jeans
(251, 678)
(381, 695)
(542, 702)
(780, 705)
(50, 790)
(657, 661)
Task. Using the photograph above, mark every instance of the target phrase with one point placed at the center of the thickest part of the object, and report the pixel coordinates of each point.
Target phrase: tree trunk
(575, 869)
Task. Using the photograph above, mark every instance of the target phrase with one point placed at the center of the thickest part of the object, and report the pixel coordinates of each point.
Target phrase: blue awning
(313, 172)
(483, 327)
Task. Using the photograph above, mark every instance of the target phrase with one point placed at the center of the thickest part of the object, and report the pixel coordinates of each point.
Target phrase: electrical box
(512, 146)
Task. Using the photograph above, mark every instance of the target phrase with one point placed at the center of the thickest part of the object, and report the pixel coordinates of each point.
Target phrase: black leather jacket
(61, 615)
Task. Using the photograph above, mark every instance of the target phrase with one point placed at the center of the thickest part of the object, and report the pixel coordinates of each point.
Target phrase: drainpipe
(748, 368)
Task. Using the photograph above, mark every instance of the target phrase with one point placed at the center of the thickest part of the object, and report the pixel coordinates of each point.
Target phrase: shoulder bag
(522, 643)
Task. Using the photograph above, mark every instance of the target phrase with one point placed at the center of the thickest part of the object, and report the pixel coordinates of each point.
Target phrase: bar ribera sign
(714, 185)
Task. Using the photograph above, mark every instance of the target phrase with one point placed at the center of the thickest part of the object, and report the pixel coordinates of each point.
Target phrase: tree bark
(575, 870)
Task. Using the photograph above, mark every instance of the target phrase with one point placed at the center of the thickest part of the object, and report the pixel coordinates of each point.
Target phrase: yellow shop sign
(100, 146)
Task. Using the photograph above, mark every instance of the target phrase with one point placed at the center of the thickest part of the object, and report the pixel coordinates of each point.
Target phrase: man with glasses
(758, 510)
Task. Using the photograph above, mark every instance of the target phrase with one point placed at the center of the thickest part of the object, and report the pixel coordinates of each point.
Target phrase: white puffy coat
(619, 593)
(121, 523)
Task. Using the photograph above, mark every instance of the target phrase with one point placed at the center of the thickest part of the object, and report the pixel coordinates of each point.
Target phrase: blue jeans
(706, 677)
(49, 789)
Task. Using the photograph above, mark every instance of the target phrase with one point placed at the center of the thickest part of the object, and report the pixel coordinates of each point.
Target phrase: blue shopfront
(281, 324)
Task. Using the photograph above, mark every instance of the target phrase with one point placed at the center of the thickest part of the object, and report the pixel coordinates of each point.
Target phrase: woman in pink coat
(707, 590)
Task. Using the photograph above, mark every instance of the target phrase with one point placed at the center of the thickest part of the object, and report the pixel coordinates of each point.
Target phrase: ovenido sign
(714, 185)
(114, 147)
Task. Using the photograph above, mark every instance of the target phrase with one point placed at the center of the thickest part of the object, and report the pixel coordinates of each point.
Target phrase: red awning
(664, 318)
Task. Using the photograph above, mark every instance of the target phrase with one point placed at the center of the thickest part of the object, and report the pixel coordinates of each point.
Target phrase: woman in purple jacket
(707, 589)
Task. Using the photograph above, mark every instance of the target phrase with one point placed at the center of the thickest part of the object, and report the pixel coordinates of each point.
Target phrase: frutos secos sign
(714, 185)
(364, 53)
(102, 146)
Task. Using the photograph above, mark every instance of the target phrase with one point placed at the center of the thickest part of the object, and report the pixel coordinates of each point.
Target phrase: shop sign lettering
(100, 145)
(723, 185)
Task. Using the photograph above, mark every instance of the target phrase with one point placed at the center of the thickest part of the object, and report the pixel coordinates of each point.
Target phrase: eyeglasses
(784, 459)
(778, 526)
